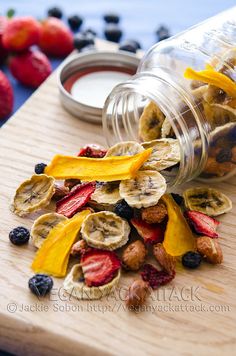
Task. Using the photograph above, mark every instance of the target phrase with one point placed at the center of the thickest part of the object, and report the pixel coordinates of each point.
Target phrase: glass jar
(166, 99)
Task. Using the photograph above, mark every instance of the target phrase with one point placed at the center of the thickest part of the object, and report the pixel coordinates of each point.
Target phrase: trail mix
(112, 215)
(213, 94)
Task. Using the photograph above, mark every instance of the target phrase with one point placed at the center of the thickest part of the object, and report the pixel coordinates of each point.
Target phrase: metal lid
(86, 79)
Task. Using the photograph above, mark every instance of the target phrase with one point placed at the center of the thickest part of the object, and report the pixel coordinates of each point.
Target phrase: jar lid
(86, 79)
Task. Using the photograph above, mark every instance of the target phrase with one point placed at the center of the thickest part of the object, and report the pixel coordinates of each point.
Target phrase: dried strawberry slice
(76, 199)
(99, 267)
(92, 151)
(151, 233)
(202, 223)
(154, 277)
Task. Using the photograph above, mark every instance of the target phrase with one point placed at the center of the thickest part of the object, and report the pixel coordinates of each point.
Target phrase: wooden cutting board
(196, 315)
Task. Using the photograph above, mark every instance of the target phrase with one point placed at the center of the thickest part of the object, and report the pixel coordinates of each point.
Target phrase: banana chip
(79, 290)
(43, 225)
(105, 230)
(33, 194)
(207, 200)
(128, 148)
(144, 190)
(165, 153)
(106, 193)
(150, 122)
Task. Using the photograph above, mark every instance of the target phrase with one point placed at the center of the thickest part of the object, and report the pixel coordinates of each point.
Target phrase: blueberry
(112, 32)
(75, 22)
(55, 12)
(136, 44)
(191, 259)
(40, 284)
(162, 33)
(128, 46)
(232, 134)
(39, 168)
(83, 40)
(19, 235)
(123, 210)
(111, 18)
(177, 198)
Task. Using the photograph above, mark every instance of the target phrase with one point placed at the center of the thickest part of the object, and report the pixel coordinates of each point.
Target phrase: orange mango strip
(53, 256)
(89, 169)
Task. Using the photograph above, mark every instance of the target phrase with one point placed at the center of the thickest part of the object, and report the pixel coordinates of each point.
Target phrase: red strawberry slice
(99, 267)
(76, 199)
(151, 233)
(202, 223)
(92, 151)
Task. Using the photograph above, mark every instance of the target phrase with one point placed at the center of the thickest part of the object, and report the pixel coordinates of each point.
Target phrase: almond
(137, 293)
(154, 214)
(210, 249)
(167, 262)
(60, 191)
(134, 255)
(79, 248)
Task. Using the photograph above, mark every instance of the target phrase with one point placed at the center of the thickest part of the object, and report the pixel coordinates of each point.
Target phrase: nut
(60, 191)
(70, 183)
(137, 293)
(134, 255)
(210, 249)
(78, 248)
(219, 169)
(154, 214)
(167, 262)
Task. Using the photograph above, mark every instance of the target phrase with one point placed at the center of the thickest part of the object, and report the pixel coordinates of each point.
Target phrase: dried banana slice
(166, 129)
(33, 194)
(144, 190)
(105, 230)
(150, 122)
(106, 193)
(43, 225)
(128, 148)
(207, 200)
(165, 153)
(79, 290)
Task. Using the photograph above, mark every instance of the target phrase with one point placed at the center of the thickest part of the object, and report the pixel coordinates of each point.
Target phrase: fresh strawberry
(55, 39)
(151, 233)
(202, 223)
(93, 151)
(99, 267)
(30, 68)
(6, 96)
(20, 33)
(76, 199)
(3, 51)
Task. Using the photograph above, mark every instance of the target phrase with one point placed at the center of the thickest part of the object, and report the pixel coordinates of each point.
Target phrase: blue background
(139, 20)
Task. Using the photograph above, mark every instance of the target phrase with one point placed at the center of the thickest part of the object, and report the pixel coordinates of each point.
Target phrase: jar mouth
(123, 109)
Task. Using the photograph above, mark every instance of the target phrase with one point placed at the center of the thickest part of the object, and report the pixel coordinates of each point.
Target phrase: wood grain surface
(195, 316)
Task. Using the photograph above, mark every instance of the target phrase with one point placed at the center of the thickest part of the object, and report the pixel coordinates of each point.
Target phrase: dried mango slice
(210, 76)
(178, 238)
(33, 194)
(53, 256)
(89, 169)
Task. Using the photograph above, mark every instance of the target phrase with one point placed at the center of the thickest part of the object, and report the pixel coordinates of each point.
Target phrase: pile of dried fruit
(113, 213)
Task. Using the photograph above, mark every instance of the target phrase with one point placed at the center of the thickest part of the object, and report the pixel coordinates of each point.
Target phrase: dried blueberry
(111, 18)
(39, 168)
(83, 40)
(162, 33)
(225, 155)
(90, 31)
(75, 22)
(177, 198)
(112, 32)
(40, 284)
(124, 210)
(19, 236)
(55, 12)
(191, 259)
(128, 46)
